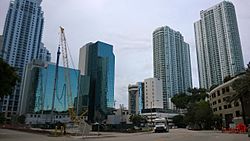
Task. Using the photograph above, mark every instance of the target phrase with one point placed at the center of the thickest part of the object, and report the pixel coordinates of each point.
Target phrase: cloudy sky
(128, 26)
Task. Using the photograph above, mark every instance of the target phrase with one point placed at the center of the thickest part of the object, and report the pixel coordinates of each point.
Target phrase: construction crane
(63, 45)
(64, 50)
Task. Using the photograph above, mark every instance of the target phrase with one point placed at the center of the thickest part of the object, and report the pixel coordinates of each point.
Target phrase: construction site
(51, 94)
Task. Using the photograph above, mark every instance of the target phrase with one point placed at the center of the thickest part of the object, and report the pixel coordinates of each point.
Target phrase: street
(173, 135)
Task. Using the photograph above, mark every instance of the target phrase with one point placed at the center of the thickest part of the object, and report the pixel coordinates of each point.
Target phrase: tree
(179, 121)
(8, 78)
(180, 100)
(242, 87)
(2, 118)
(21, 119)
(227, 78)
(212, 87)
(137, 119)
(198, 94)
(200, 114)
(183, 100)
(217, 122)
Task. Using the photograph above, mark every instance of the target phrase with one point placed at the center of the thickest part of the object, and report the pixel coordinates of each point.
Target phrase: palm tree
(242, 87)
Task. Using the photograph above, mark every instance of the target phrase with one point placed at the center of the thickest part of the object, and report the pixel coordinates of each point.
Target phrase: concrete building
(218, 44)
(171, 62)
(153, 97)
(22, 37)
(42, 119)
(230, 112)
(154, 113)
(119, 116)
(38, 86)
(44, 53)
(135, 98)
(97, 61)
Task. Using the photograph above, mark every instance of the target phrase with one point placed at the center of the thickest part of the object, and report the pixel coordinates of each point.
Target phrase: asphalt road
(180, 135)
(173, 135)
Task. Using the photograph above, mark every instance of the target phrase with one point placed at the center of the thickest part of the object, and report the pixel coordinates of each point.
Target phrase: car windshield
(159, 123)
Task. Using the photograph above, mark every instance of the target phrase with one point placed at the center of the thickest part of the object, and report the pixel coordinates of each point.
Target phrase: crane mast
(63, 44)
(55, 85)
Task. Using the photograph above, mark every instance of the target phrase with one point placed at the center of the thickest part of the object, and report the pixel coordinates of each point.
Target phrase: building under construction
(37, 92)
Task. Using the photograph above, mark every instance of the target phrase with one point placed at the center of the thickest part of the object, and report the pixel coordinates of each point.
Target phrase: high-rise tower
(97, 61)
(171, 62)
(218, 44)
(21, 41)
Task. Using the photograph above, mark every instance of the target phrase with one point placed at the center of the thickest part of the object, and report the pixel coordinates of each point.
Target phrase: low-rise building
(218, 99)
(119, 116)
(154, 113)
(153, 95)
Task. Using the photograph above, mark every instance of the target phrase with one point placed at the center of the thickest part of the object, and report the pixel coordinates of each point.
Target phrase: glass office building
(97, 61)
(107, 62)
(38, 88)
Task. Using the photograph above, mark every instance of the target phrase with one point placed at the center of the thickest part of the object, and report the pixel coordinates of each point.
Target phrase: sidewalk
(109, 135)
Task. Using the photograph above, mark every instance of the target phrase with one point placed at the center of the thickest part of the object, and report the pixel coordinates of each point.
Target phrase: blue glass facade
(105, 51)
(98, 62)
(38, 88)
(141, 96)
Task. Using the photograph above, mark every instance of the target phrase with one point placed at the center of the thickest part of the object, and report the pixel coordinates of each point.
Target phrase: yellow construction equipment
(65, 49)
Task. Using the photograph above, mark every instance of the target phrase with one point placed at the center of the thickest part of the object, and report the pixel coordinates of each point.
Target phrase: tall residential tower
(21, 41)
(171, 62)
(218, 44)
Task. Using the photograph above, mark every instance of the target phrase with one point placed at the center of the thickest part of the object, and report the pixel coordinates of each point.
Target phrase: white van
(161, 125)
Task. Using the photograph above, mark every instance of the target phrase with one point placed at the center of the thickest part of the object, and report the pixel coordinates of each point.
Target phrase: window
(229, 106)
(220, 108)
(237, 113)
(223, 90)
(215, 109)
(219, 101)
(213, 95)
(236, 104)
(225, 106)
(218, 93)
(227, 89)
